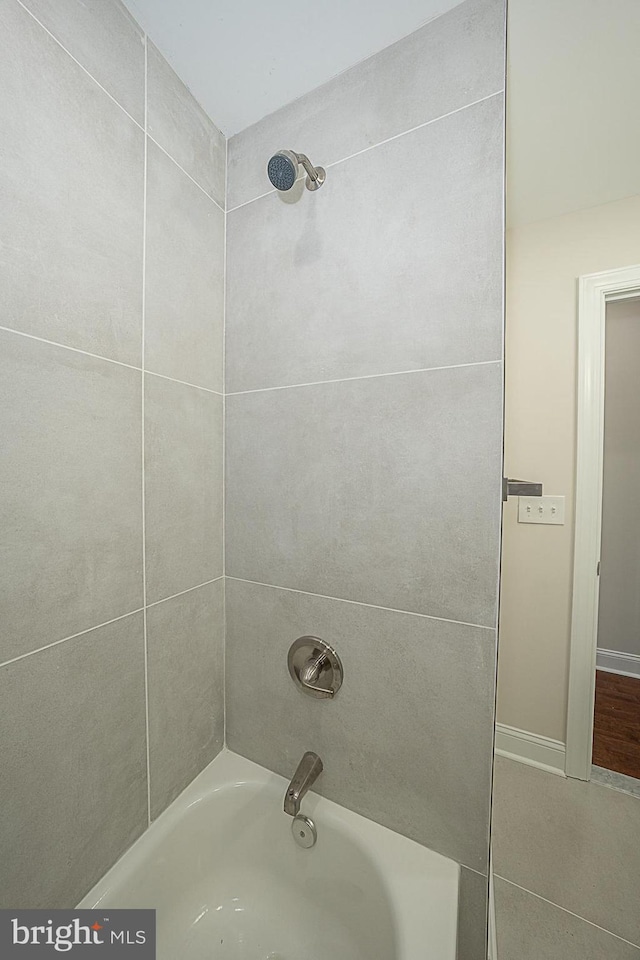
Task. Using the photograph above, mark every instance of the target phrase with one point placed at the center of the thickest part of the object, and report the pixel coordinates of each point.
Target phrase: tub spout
(309, 769)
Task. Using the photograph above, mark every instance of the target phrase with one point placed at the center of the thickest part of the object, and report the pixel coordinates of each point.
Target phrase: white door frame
(594, 292)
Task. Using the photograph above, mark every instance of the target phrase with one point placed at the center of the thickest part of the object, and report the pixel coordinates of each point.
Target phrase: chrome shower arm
(312, 173)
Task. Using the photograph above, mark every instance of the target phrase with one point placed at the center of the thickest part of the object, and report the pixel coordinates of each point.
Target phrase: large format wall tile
(73, 759)
(408, 739)
(185, 642)
(179, 124)
(71, 480)
(532, 929)
(183, 487)
(396, 264)
(73, 755)
(382, 490)
(72, 199)
(569, 842)
(105, 39)
(185, 280)
(450, 62)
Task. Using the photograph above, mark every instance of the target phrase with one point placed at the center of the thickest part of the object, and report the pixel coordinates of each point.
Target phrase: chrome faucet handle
(315, 667)
(310, 674)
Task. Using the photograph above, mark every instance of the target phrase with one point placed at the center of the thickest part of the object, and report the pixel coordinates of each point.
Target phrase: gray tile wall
(530, 928)
(363, 365)
(451, 62)
(85, 628)
(383, 239)
(406, 679)
(182, 128)
(568, 862)
(185, 692)
(355, 486)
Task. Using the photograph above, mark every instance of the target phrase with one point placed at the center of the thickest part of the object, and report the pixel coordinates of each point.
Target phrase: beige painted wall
(573, 76)
(619, 611)
(544, 260)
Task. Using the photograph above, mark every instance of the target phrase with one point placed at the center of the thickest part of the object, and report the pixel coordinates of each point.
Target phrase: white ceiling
(243, 59)
(573, 130)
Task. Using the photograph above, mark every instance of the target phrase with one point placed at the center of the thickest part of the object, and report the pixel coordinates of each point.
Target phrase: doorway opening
(603, 721)
(616, 727)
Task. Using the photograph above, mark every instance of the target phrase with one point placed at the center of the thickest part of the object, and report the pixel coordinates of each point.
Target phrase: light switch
(541, 510)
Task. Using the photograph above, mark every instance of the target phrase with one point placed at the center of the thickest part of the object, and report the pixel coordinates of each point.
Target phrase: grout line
(142, 445)
(239, 393)
(74, 636)
(380, 143)
(83, 68)
(367, 376)
(97, 356)
(224, 455)
(261, 196)
(570, 912)
(185, 383)
(106, 623)
(198, 185)
(224, 663)
(492, 914)
(492, 934)
(181, 593)
(360, 603)
(141, 126)
(64, 346)
(419, 126)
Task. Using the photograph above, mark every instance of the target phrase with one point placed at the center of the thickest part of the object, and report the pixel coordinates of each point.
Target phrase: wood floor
(616, 728)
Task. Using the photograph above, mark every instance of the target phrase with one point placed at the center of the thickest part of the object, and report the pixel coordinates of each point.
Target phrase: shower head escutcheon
(284, 166)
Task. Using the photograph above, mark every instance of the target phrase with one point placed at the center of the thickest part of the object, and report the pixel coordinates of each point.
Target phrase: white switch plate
(541, 510)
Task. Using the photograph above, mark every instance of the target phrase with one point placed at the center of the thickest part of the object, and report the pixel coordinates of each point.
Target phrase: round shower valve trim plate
(315, 667)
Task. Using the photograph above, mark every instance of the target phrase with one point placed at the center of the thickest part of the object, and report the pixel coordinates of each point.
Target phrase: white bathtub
(229, 883)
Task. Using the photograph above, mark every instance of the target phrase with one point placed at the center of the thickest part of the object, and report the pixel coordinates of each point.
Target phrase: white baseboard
(540, 752)
(613, 661)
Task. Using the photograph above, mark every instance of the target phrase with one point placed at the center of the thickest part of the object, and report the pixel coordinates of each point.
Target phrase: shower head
(284, 166)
